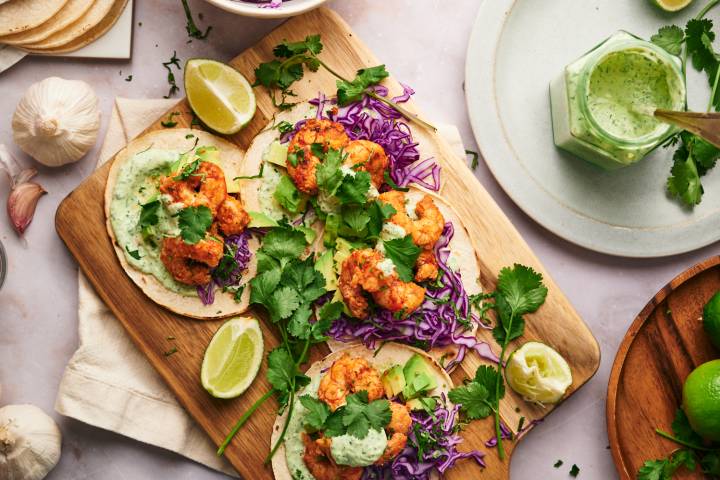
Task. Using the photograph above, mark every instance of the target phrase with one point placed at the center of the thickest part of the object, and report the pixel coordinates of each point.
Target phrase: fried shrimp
(349, 375)
(204, 187)
(190, 263)
(397, 431)
(319, 462)
(425, 230)
(232, 217)
(324, 132)
(369, 157)
(360, 273)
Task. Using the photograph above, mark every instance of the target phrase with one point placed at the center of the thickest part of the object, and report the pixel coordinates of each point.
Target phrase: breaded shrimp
(360, 273)
(349, 375)
(369, 157)
(232, 217)
(397, 431)
(205, 186)
(425, 230)
(321, 465)
(191, 263)
(324, 132)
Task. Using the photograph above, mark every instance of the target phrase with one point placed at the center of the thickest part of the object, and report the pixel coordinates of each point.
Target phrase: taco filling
(355, 420)
(174, 218)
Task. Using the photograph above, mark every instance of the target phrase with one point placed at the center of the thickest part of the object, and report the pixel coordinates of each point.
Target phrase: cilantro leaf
(149, 214)
(574, 471)
(354, 188)
(194, 223)
(684, 181)
(699, 37)
(653, 470)
(283, 303)
(669, 37)
(334, 425)
(328, 173)
(133, 253)
(359, 416)
(403, 253)
(682, 429)
(317, 412)
(522, 287)
(288, 196)
(287, 49)
(354, 222)
(263, 286)
(283, 244)
(354, 90)
(487, 376)
(509, 327)
(281, 369)
(378, 213)
(710, 463)
(474, 398)
(299, 326)
(307, 281)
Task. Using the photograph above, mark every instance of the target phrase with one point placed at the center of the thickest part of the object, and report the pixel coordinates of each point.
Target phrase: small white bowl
(288, 8)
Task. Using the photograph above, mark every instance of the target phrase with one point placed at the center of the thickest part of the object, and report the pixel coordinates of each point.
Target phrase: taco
(178, 225)
(401, 389)
(347, 167)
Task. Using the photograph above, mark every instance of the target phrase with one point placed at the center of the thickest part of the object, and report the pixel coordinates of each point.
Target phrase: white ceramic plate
(516, 48)
(287, 9)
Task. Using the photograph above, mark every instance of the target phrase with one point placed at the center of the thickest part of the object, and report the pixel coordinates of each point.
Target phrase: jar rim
(601, 54)
(3, 265)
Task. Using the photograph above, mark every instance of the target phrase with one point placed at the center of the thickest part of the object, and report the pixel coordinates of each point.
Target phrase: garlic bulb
(29, 443)
(57, 121)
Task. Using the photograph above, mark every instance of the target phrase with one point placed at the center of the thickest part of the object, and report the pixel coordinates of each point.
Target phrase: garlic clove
(24, 194)
(21, 204)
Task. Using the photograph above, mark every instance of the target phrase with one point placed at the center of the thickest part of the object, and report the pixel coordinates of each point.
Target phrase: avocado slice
(259, 220)
(423, 403)
(393, 381)
(324, 265)
(419, 377)
(342, 252)
(276, 153)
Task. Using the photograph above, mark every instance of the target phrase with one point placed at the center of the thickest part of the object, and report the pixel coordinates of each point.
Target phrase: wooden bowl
(664, 344)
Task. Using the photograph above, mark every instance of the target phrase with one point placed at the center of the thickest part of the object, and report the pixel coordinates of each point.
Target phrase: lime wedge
(233, 358)
(538, 373)
(219, 95)
(671, 5)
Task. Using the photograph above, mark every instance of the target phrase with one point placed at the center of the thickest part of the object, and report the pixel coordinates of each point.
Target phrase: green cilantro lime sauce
(625, 88)
(137, 185)
(349, 450)
(294, 447)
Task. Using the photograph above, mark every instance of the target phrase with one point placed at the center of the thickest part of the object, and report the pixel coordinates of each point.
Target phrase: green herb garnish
(170, 75)
(289, 64)
(403, 253)
(194, 223)
(192, 30)
(170, 123)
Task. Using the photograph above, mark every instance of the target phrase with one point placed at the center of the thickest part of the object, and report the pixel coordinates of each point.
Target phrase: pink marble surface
(423, 43)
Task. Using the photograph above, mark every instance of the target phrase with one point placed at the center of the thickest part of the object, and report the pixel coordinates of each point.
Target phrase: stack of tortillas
(56, 26)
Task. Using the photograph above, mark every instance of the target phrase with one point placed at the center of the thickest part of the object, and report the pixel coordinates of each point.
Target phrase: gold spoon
(704, 125)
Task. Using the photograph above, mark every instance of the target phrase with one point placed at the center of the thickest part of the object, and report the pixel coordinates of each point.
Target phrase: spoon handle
(704, 125)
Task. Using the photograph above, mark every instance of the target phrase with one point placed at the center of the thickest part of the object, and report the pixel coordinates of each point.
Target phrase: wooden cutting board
(664, 344)
(80, 223)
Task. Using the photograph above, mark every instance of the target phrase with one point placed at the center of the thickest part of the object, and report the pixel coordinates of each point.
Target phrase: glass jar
(603, 103)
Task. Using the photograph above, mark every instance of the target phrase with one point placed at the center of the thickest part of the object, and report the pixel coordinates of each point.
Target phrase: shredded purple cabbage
(224, 277)
(506, 434)
(435, 324)
(371, 119)
(437, 436)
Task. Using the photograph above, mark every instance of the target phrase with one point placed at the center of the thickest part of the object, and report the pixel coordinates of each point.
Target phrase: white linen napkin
(108, 383)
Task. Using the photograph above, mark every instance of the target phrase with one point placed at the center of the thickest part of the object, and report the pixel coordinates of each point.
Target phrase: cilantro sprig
(194, 223)
(192, 30)
(694, 156)
(356, 418)
(288, 66)
(695, 453)
(519, 291)
(286, 287)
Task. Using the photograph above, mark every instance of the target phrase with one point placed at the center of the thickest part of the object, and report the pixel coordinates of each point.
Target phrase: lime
(233, 358)
(671, 5)
(538, 373)
(701, 400)
(711, 319)
(219, 95)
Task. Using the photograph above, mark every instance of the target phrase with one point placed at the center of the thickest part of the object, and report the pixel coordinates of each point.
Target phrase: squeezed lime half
(538, 373)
